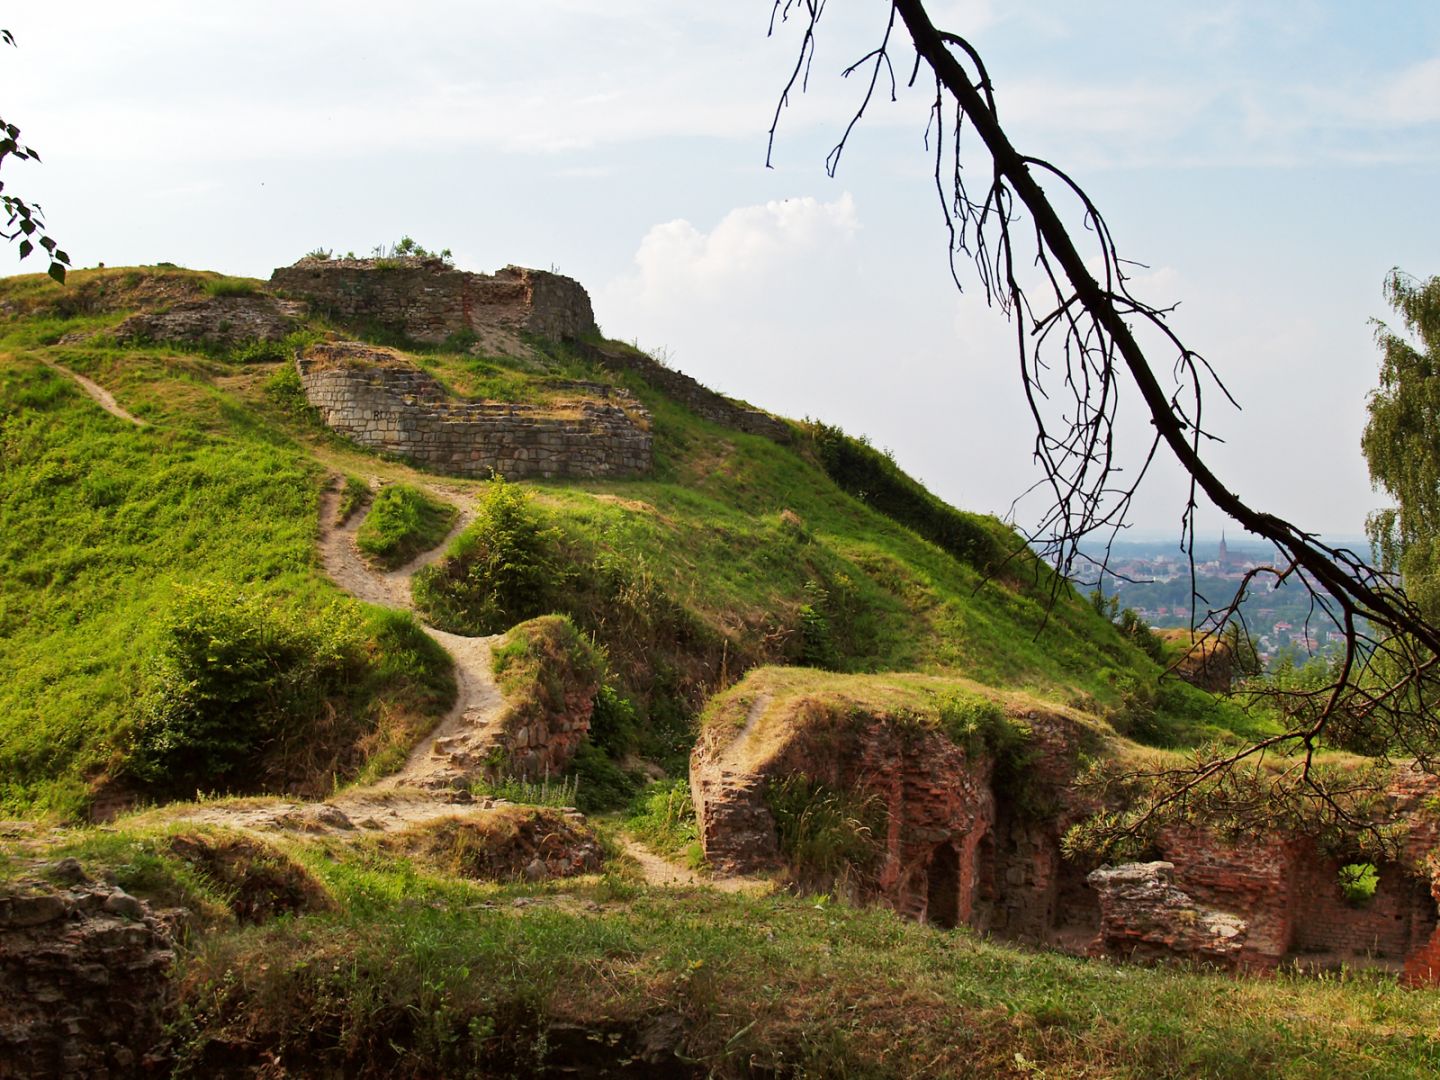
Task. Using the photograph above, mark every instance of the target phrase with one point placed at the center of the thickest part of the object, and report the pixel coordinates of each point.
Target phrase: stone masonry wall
(427, 300)
(385, 403)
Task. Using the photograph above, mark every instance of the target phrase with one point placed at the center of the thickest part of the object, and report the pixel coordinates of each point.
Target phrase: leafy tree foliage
(1402, 440)
(25, 221)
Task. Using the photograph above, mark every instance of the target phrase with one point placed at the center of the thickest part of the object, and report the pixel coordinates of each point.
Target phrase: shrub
(817, 646)
(260, 351)
(403, 522)
(614, 727)
(232, 670)
(230, 286)
(1358, 882)
(602, 783)
(405, 247)
(979, 725)
(499, 571)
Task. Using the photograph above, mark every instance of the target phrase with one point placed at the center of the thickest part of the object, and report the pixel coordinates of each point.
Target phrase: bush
(980, 726)
(500, 571)
(232, 670)
(1358, 882)
(601, 783)
(260, 351)
(614, 727)
(403, 522)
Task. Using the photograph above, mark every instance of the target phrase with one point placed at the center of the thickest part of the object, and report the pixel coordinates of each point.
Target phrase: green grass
(663, 816)
(735, 554)
(403, 522)
(102, 525)
(232, 286)
(432, 975)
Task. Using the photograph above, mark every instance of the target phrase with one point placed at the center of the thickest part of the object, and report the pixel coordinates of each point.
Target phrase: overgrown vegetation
(827, 835)
(403, 522)
(163, 623)
(498, 572)
(663, 816)
(231, 673)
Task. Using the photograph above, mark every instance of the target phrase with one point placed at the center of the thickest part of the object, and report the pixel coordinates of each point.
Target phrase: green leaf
(25, 248)
(57, 271)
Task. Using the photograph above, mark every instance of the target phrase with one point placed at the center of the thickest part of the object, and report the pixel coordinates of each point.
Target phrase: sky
(1266, 164)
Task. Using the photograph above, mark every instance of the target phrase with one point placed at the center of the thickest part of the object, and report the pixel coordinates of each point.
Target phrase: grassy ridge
(736, 552)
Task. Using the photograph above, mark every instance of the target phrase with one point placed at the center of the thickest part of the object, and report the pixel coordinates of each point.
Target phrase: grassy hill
(166, 629)
(736, 552)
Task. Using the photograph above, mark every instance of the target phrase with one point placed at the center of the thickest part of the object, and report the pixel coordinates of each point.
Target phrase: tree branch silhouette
(1078, 332)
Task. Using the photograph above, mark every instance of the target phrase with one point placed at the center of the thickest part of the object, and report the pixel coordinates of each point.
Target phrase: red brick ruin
(960, 848)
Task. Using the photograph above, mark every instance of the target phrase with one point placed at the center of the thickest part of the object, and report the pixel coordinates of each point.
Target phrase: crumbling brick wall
(429, 301)
(1398, 920)
(383, 402)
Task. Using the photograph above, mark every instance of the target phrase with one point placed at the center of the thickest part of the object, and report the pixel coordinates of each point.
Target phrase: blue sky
(1269, 163)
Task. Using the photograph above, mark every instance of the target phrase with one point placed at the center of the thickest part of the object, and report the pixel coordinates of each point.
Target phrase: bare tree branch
(1078, 332)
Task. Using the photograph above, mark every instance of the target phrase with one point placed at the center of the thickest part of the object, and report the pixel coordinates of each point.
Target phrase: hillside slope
(211, 601)
(736, 551)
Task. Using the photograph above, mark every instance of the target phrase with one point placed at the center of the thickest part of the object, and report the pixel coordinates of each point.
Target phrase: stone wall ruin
(428, 300)
(386, 403)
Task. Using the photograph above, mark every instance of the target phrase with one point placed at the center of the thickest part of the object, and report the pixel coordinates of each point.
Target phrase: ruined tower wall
(428, 301)
(400, 410)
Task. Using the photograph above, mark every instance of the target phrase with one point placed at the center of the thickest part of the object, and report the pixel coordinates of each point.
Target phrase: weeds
(561, 793)
(230, 286)
(825, 834)
(663, 816)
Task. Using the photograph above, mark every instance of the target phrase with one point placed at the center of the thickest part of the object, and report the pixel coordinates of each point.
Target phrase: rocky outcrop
(216, 320)
(384, 402)
(85, 976)
(1143, 915)
(430, 301)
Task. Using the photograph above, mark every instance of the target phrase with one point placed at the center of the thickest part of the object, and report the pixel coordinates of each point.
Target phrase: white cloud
(751, 250)
(1412, 96)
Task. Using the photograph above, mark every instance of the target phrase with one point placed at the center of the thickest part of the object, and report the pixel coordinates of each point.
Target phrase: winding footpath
(433, 782)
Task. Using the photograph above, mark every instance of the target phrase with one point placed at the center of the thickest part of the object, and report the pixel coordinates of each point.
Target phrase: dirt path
(738, 747)
(658, 870)
(345, 566)
(102, 397)
(433, 781)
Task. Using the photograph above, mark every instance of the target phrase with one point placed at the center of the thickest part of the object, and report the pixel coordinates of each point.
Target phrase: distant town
(1154, 579)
